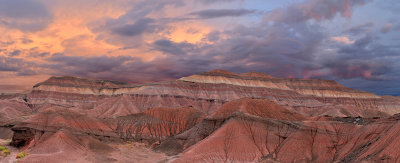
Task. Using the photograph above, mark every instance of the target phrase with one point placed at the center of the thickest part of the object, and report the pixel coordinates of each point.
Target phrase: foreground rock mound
(245, 138)
(216, 116)
(13, 111)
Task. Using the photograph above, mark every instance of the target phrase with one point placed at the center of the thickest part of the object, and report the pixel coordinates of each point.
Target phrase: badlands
(215, 116)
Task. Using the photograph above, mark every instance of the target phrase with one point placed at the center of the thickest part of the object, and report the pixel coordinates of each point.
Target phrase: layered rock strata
(209, 90)
(216, 116)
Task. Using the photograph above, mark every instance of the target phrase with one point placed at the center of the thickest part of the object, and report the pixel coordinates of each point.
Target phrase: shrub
(6, 151)
(3, 148)
(22, 155)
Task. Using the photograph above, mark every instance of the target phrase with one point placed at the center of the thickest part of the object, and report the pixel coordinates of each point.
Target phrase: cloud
(387, 27)
(25, 15)
(6, 43)
(380, 87)
(360, 29)
(123, 68)
(342, 39)
(277, 48)
(26, 41)
(357, 69)
(15, 53)
(217, 13)
(170, 47)
(17, 65)
(152, 40)
(135, 25)
(366, 58)
(9, 64)
(83, 65)
(314, 9)
(139, 27)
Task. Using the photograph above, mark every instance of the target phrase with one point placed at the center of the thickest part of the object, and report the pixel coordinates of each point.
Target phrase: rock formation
(215, 116)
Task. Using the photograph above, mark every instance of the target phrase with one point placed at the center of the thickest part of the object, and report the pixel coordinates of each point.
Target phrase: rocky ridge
(247, 117)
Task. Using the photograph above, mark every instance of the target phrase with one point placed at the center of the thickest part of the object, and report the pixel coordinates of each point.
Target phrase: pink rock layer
(208, 91)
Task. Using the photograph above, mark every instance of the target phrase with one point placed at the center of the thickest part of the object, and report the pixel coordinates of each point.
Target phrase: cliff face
(318, 88)
(216, 116)
(209, 90)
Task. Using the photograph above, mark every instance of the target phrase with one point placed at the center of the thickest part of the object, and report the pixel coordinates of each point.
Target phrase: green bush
(6, 151)
(22, 155)
(3, 148)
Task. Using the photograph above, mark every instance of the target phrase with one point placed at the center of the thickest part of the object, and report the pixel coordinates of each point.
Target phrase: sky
(355, 42)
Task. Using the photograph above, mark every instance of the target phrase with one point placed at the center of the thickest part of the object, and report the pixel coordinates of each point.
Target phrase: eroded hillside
(215, 116)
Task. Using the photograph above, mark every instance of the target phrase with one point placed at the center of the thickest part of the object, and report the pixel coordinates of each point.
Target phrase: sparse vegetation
(22, 155)
(6, 152)
(3, 148)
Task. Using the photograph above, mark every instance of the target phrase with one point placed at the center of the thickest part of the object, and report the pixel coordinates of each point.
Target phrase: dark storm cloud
(78, 64)
(44, 54)
(302, 44)
(9, 64)
(138, 14)
(171, 47)
(368, 48)
(283, 48)
(26, 15)
(268, 48)
(15, 53)
(346, 69)
(380, 87)
(20, 66)
(289, 42)
(137, 28)
(130, 29)
(217, 13)
(367, 59)
(125, 68)
(358, 47)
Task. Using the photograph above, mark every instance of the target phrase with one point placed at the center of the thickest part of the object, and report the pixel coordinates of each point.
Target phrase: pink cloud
(342, 39)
